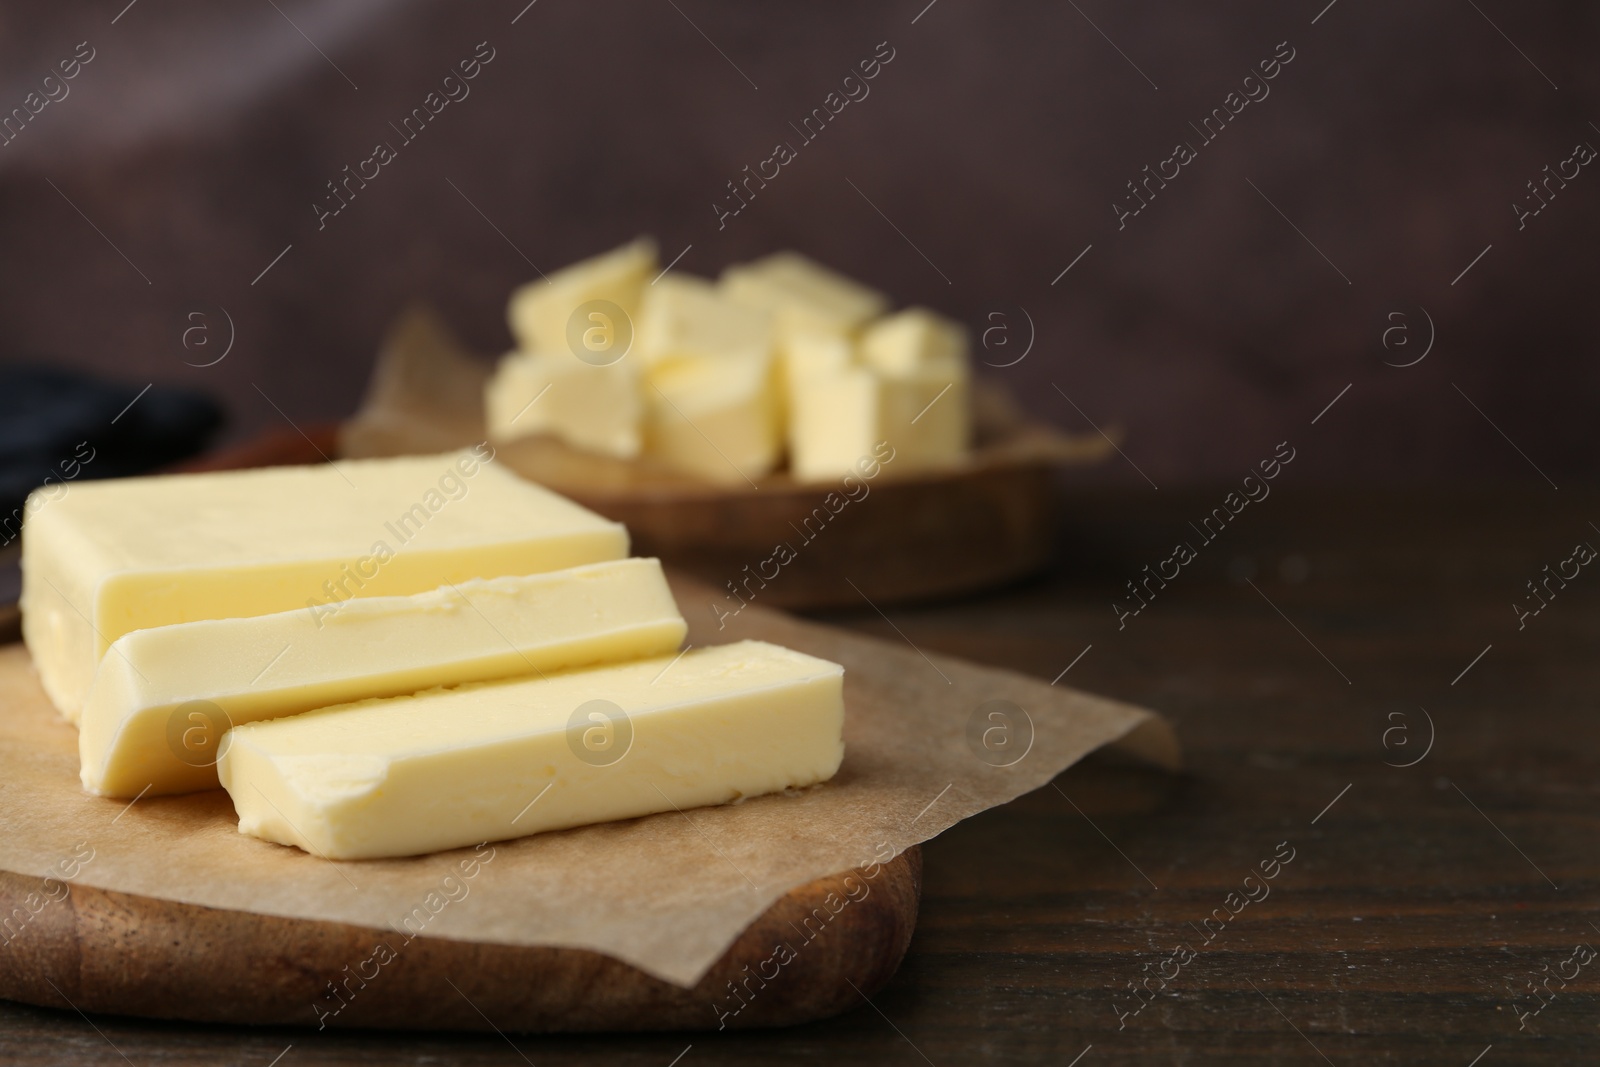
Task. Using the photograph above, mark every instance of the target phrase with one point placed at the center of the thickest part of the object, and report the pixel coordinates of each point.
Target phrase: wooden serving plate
(910, 536)
(101, 951)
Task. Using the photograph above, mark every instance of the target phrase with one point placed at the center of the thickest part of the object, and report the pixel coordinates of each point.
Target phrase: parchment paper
(667, 893)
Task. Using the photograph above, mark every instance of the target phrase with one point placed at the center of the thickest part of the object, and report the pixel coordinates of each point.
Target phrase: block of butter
(681, 315)
(803, 296)
(716, 417)
(115, 556)
(456, 767)
(815, 353)
(163, 697)
(541, 314)
(836, 418)
(911, 340)
(595, 407)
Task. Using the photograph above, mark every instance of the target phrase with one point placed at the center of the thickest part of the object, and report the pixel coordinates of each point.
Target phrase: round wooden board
(100, 951)
(894, 535)
(908, 538)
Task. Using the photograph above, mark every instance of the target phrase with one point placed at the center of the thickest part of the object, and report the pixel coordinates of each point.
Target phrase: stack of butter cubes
(781, 359)
(391, 657)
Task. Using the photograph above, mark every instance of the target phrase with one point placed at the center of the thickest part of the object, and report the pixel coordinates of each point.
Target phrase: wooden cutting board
(181, 917)
(104, 950)
(100, 951)
(97, 950)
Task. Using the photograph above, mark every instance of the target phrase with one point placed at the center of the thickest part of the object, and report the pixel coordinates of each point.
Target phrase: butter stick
(451, 768)
(106, 558)
(163, 697)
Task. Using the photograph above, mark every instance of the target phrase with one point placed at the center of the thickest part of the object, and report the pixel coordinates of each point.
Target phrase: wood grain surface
(1390, 937)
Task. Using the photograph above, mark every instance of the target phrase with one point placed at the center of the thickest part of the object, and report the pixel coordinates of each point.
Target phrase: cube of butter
(681, 315)
(716, 417)
(837, 418)
(817, 353)
(912, 339)
(540, 312)
(803, 296)
(450, 768)
(163, 697)
(598, 408)
(114, 556)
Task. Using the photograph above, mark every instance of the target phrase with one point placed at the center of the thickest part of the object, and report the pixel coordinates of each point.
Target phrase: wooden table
(1416, 899)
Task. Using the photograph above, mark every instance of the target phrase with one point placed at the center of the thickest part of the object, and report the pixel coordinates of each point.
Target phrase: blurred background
(1375, 205)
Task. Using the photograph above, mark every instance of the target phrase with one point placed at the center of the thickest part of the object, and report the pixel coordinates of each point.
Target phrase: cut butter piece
(716, 417)
(911, 340)
(803, 296)
(451, 768)
(817, 353)
(838, 418)
(115, 556)
(598, 408)
(163, 697)
(540, 312)
(682, 315)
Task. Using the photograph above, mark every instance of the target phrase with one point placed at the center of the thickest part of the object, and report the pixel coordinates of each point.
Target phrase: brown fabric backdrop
(200, 135)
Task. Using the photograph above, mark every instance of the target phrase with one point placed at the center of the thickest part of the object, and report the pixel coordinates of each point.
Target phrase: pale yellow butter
(802, 295)
(912, 340)
(817, 353)
(162, 697)
(681, 315)
(837, 417)
(111, 557)
(599, 408)
(716, 417)
(905, 382)
(541, 313)
(451, 768)
(816, 313)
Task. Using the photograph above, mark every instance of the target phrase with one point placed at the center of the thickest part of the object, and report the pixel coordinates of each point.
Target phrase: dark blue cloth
(63, 425)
